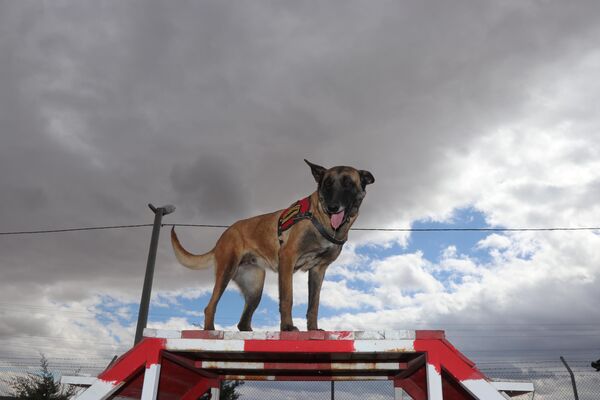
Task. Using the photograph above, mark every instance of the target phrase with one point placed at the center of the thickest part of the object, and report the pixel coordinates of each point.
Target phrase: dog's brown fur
(250, 246)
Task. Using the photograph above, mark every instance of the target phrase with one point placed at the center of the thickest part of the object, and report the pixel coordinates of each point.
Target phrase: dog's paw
(289, 328)
(244, 328)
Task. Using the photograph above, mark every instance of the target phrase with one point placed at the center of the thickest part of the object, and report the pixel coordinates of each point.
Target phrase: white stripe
(434, 383)
(482, 389)
(229, 335)
(365, 366)
(384, 346)
(282, 378)
(411, 335)
(161, 333)
(204, 345)
(151, 378)
(513, 386)
(369, 335)
(78, 380)
(380, 366)
(232, 365)
(100, 390)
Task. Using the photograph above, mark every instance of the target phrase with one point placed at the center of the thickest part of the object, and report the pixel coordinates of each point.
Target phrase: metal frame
(422, 365)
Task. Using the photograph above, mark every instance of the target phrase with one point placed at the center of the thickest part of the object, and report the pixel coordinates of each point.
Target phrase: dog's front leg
(286, 294)
(315, 280)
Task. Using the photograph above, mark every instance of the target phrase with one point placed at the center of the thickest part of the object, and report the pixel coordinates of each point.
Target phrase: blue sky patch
(431, 244)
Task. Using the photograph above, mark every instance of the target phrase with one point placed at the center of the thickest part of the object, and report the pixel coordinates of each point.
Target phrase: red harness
(298, 211)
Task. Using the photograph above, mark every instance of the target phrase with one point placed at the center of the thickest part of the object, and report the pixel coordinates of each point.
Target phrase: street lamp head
(168, 209)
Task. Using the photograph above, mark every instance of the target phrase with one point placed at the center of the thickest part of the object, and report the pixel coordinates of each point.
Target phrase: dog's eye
(328, 182)
(346, 182)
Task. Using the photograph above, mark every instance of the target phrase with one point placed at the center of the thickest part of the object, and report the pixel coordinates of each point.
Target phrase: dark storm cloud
(210, 184)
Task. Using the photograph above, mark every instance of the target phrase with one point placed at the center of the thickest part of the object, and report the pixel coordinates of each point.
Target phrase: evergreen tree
(40, 386)
(228, 391)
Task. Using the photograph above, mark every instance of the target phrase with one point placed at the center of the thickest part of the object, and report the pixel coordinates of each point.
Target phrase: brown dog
(309, 236)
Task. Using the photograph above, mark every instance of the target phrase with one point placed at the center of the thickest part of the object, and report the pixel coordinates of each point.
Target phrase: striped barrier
(186, 364)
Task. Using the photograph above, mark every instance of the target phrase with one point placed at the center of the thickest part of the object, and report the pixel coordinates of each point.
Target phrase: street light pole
(147, 290)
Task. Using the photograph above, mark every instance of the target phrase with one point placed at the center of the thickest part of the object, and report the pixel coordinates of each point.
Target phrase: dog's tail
(187, 259)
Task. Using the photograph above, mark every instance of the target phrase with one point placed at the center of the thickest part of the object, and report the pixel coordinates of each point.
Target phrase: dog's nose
(333, 209)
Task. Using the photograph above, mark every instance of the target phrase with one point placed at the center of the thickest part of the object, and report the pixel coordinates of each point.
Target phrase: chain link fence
(550, 378)
(355, 390)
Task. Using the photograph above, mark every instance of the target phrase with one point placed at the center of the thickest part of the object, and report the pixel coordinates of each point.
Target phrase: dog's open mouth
(337, 219)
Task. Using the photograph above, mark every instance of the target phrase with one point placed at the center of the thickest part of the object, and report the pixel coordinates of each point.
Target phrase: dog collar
(298, 211)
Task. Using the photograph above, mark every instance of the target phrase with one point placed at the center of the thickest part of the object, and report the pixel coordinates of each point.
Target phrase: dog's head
(341, 191)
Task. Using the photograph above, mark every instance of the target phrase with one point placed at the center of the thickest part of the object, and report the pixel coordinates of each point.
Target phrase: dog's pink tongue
(337, 219)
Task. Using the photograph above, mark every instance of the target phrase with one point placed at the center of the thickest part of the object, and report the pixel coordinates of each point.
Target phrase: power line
(109, 227)
(198, 225)
(426, 229)
(87, 228)
(475, 229)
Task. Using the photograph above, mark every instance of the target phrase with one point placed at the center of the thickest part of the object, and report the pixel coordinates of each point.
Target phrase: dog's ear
(316, 170)
(366, 178)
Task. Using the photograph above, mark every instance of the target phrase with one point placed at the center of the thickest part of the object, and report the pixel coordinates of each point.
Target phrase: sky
(468, 114)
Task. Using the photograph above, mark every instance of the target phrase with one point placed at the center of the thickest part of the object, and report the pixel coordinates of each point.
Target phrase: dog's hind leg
(223, 276)
(251, 280)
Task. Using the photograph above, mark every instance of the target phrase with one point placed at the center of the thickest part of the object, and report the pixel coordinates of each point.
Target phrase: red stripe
(441, 354)
(199, 334)
(430, 335)
(146, 353)
(293, 346)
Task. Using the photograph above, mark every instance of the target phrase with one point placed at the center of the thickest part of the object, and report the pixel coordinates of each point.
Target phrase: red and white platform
(184, 365)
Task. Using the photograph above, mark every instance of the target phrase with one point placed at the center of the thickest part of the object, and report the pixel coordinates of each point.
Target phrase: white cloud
(337, 295)
(404, 273)
(69, 331)
(549, 287)
(494, 241)
(173, 323)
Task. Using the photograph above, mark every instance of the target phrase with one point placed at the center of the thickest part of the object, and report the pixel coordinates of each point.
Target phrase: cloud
(337, 295)
(210, 184)
(406, 273)
(548, 290)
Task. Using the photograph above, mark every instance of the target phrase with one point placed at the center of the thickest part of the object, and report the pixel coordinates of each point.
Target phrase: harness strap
(298, 211)
(324, 232)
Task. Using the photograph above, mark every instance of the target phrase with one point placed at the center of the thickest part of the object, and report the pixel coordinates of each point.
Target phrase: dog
(307, 236)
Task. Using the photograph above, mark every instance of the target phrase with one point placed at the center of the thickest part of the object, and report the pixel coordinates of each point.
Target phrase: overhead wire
(483, 229)
(78, 229)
